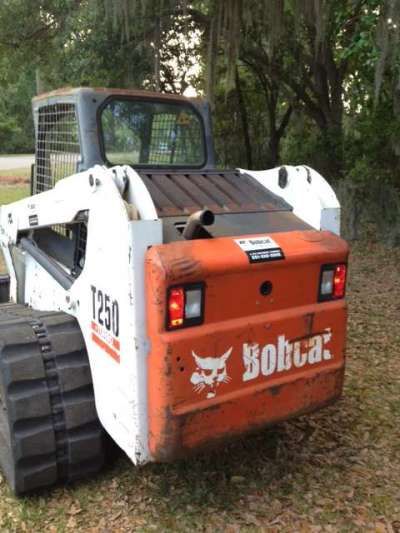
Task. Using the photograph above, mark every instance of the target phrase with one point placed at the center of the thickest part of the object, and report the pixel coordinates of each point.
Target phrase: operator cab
(79, 128)
(167, 139)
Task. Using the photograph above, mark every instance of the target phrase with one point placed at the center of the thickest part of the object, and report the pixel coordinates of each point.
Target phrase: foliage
(16, 124)
(289, 80)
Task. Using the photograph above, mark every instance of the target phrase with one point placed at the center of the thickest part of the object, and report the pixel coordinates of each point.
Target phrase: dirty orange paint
(257, 359)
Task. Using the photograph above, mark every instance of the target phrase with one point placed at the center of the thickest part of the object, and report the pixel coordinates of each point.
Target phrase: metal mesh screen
(63, 230)
(175, 142)
(57, 145)
(150, 133)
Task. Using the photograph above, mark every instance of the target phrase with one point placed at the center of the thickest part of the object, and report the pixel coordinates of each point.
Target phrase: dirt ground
(13, 177)
(337, 470)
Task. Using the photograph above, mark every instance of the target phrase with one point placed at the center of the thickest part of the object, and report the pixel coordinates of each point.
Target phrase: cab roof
(106, 92)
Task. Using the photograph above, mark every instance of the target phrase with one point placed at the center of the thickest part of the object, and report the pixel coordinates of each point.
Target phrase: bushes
(16, 123)
(14, 138)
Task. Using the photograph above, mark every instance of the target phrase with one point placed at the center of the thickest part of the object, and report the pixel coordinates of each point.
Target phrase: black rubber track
(49, 430)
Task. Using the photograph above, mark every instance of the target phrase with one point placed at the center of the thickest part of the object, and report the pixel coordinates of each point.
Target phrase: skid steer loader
(172, 304)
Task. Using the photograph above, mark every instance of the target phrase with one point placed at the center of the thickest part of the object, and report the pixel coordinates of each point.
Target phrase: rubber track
(49, 430)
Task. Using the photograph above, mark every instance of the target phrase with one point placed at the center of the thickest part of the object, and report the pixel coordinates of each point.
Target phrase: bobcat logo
(210, 372)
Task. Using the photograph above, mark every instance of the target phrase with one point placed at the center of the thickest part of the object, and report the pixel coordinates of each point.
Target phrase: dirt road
(11, 162)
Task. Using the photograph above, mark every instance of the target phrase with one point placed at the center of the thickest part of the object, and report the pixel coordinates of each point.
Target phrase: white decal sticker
(260, 249)
(257, 243)
(258, 360)
(210, 373)
(285, 355)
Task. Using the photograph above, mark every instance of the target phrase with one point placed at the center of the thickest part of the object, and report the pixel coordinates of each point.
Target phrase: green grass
(12, 193)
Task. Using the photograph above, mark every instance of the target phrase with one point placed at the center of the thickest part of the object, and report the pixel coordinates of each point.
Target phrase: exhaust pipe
(195, 223)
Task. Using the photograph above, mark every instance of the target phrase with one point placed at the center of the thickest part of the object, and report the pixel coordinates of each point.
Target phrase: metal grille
(57, 145)
(63, 229)
(152, 134)
(175, 141)
(184, 192)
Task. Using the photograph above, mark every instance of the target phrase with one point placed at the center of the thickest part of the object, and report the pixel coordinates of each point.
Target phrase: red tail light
(185, 305)
(176, 307)
(339, 281)
(332, 284)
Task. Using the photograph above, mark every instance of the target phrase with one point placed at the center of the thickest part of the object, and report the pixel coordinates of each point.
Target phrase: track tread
(49, 428)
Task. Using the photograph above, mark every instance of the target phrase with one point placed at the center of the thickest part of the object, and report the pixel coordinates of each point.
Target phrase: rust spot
(309, 320)
(274, 391)
(177, 194)
(70, 91)
(167, 359)
(168, 445)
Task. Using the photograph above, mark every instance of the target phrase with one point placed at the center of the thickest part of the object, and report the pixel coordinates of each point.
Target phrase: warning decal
(260, 249)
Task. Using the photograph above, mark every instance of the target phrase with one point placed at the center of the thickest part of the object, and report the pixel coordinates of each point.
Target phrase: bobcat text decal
(284, 355)
(211, 372)
(105, 323)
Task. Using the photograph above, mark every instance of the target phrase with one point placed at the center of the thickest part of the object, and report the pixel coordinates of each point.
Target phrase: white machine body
(310, 195)
(111, 309)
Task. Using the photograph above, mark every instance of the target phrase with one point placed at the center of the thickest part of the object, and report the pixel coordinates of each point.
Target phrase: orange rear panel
(256, 359)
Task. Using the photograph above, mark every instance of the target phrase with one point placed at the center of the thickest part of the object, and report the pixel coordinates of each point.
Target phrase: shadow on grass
(270, 462)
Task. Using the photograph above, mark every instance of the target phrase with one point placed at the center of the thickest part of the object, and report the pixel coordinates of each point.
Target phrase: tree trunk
(274, 149)
(276, 132)
(211, 61)
(244, 119)
(157, 59)
(39, 82)
(332, 138)
(325, 107)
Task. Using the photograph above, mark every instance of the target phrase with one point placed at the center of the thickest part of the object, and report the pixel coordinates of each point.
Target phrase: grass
(336, 470)
(10, 193)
